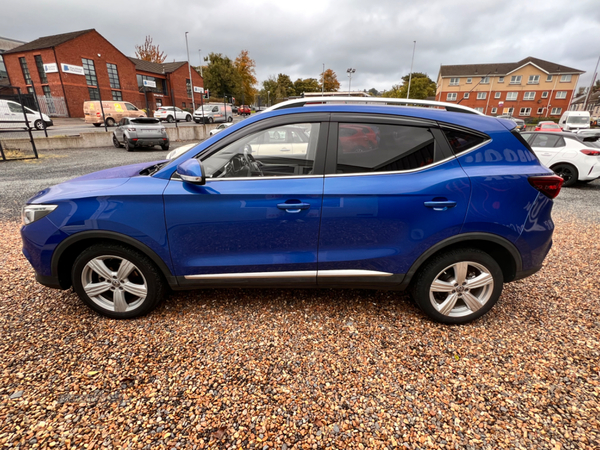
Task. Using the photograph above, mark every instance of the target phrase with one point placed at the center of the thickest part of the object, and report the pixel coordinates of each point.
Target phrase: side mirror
(191, 171)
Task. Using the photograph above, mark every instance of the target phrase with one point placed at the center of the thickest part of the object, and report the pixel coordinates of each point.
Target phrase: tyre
(170, 119)
(39, 124)
(211, 120)
(197, 121)
(457, 286)
(230, 119)
(117, 281)
(127, 145)
(116, 142)
(188, 118)
(97, 125)
(165, 147)
(110, 122)
(567, 172)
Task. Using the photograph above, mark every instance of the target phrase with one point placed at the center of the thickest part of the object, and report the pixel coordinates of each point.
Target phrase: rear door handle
(440, 205)
(293, 208)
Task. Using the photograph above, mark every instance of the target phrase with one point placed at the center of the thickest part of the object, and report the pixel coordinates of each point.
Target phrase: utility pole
(323, 80)
(411, 68)
(190, 72)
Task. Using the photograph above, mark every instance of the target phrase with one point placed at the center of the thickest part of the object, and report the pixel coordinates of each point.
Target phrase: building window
(46, 90)
(117, 96)
(565, 78)
(94, 93)
(183, 104)
(454, 81)
(497, 94)
(540, 111)
(485, 80)
(466, 95)
(500, 79)
(188, 86)
(510, 110)
(511, 95)
(25, 70)
(30, 90)
(534, 79)
(556, 111)
(3, 72)
(494, 110)
(469, 80)
(481, 95)
(545, 94)
(451, 96)
(479, 109)
(549, 78)
(525, 112)
(529, 96)
(561, 94)
(40, 67)
(90, 73)
(515, 79)
(113, 76)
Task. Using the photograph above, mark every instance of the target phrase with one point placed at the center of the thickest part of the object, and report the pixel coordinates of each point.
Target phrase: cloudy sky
(296, 37)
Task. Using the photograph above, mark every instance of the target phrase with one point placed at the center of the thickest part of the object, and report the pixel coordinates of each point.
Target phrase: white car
(180, 150)
(571, 156)
(172, 113)
(220, 128)
(13, 112)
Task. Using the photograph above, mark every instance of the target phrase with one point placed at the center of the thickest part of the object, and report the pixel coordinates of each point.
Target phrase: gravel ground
(283, 369)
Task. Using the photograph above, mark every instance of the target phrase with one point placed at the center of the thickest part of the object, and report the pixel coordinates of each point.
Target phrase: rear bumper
(147, 142)
(48, 281)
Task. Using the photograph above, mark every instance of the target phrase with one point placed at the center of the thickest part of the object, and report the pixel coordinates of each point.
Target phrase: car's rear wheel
(211, 120)
(97, 125)
(170, 119)
(116, 142)
(110, 122)
(165, 147)
(117, 281)
(567, 172)
(188, 118)
(458, 286)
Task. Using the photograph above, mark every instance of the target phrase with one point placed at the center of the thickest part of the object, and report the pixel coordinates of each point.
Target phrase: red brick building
(83, 65)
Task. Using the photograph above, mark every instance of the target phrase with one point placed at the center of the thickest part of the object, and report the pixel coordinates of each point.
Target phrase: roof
(158, 68)
(495, 69)
(594, 97)
(48, 41)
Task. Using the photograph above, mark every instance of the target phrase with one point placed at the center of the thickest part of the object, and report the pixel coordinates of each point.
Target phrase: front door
(256, 218)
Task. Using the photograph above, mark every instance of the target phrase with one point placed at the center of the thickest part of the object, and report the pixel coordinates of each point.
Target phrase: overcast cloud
(297, 37)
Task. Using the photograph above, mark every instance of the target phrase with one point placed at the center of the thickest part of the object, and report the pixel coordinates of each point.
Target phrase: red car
(244, 110)
(357, 138)
(547, 126)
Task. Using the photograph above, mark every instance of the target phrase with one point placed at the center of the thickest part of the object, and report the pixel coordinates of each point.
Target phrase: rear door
(547, 146)
(385, 205)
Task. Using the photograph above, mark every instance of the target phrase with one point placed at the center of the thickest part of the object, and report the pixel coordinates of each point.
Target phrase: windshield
(578, 119)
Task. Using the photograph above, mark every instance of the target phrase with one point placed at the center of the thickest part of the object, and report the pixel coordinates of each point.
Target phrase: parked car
(519, 122)
(449, 206)
(358, 138)
(213, 112)
(571, 156)
(13, 112)
(589, 132)
(135, 132)
(548, 126)
(220, 128)
(175, 153)
(172, 114)
(574, 120)
(244, 110)
(234, 109)
(113, 112)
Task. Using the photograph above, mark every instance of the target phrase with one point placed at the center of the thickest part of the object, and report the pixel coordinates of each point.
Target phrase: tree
(421, 87)
(307, 85)
(268, 90)
(330, 80)
(374, 92)
(150, 52)
(285, 87)
(246, 68)
(221, 77)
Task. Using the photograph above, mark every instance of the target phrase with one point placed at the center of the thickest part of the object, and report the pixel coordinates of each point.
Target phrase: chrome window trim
(287, 177)
(291, 274)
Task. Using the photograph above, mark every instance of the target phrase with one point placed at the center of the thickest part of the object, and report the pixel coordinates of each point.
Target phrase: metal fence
(53, 106)
(16, 124)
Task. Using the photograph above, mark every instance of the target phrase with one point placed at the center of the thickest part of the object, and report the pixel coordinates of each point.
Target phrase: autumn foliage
(150, 52)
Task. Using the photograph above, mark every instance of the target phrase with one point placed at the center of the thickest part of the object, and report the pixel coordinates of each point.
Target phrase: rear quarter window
(462, 140)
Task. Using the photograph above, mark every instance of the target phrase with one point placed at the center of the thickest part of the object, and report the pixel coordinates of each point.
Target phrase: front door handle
(440, 205)
(293, 208)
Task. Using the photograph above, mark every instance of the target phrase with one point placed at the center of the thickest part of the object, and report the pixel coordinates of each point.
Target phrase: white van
(13, 112)
(214, 112)
(574, 120)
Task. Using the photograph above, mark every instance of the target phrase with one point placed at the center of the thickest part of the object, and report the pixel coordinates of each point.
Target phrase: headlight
(31, 213)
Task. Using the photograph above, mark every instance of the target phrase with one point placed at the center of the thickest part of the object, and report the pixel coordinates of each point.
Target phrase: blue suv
(448, 205)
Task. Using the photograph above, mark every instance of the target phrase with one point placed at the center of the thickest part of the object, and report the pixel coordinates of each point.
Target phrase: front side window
(533, 79)
(529, 96)
(451, 96)
(40, 68)
(364, 148)
(511, 95)
(561, 94)
(15, 107)
(130, 107)
(285, 150)
(481, 95)
(515, 79)
(25, 70)
(113, 76)
(565, 78)
(454, 81)
(89, 69)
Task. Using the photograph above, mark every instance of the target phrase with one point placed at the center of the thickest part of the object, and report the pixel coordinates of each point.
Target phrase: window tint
(15, 108)
(461, 141)
(383, 148)
(547, 141)
(130, 107)
(287, 150)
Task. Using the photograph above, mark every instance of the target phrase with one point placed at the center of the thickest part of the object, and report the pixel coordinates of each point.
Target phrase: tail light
(549, 185)
(130, 129)
(98, 114)
(590, 152)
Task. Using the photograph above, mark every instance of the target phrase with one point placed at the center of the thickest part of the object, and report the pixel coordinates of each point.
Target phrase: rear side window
(364, 147)
(461, 140)
(547, 141)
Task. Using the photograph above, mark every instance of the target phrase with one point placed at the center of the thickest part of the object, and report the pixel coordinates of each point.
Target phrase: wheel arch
(68, 250)
(499, 248)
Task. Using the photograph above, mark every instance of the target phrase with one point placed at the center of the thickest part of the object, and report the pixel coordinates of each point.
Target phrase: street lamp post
(350, 71)
(200, 58)
(268, 98)
(411, 68)
(190, 71)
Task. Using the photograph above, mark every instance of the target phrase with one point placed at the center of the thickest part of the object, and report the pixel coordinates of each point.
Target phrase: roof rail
(347, 100)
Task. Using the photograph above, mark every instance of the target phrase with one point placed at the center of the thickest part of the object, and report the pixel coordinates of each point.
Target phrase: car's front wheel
(116, 142)
(188, 118)
(39, 124)
(117, 281)
(567, 172)
(458, 286)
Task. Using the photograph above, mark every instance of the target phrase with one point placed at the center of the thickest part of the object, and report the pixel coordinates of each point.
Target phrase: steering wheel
(251, 162)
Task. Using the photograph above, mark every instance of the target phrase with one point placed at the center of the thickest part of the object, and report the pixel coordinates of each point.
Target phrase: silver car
(134, 132)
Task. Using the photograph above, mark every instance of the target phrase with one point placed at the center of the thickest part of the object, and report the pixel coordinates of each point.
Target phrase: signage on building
(149, 83)
(75, 70)
(199, 90)
(51, 68)
(158, 95)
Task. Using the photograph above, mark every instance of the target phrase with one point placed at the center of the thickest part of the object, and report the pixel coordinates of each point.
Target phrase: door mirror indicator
(191, 171)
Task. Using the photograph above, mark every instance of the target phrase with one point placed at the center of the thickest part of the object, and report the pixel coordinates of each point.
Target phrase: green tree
(221, 76)
(421, 87)
(285, 87)
(374, 92)
(306, 85)
(330, 80)
(247, 69)
(268, 91)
